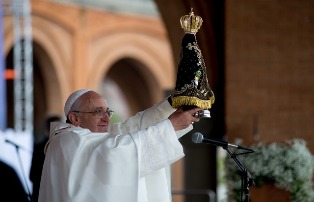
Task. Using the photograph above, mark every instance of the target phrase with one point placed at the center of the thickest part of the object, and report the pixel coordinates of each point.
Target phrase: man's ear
(73, 119)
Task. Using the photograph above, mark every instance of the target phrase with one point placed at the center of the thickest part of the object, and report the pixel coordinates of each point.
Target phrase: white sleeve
(144, 119)
(158, 147)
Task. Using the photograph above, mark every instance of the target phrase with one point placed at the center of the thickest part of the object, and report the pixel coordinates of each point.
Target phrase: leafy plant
(288, 165)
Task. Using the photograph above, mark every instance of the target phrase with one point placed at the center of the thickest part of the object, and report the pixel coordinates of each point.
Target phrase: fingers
(194, 119)
(193, 111)
(181, 119)
(191, 118)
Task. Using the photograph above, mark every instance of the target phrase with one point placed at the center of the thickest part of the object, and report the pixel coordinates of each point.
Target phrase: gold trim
(185, 100)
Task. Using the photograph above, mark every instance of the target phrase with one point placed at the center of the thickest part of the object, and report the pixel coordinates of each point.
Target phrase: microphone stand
(245, 175)
(30, 198)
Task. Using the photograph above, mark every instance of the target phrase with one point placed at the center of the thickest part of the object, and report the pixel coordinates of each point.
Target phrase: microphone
(199, 138)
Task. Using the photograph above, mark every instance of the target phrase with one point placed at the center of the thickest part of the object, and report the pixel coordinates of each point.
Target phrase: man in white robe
(88, 160)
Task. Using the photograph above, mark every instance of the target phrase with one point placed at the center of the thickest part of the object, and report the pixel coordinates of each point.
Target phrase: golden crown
(191, 23)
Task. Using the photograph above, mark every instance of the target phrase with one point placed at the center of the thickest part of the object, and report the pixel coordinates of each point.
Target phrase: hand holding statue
(181, 119)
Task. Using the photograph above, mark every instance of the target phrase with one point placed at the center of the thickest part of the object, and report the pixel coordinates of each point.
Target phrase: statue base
(205, 113)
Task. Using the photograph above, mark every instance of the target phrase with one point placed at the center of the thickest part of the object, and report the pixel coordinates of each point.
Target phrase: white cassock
(127, 164)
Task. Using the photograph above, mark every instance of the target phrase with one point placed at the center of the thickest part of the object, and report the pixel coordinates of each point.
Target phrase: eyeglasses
(99, 113)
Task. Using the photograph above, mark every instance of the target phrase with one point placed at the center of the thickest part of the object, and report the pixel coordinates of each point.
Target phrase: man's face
(96, 120)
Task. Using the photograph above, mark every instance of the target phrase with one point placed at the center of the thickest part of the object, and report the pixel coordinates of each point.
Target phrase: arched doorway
(129, 88)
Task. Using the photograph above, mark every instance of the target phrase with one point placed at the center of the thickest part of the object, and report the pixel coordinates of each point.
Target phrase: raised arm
(144, 119)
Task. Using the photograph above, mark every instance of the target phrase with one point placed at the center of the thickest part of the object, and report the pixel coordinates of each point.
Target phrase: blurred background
(259, 57)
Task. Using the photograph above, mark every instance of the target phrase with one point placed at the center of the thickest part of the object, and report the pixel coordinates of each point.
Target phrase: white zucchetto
(72, 98)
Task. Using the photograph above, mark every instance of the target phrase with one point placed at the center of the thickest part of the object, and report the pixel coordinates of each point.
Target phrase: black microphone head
(197, 137)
